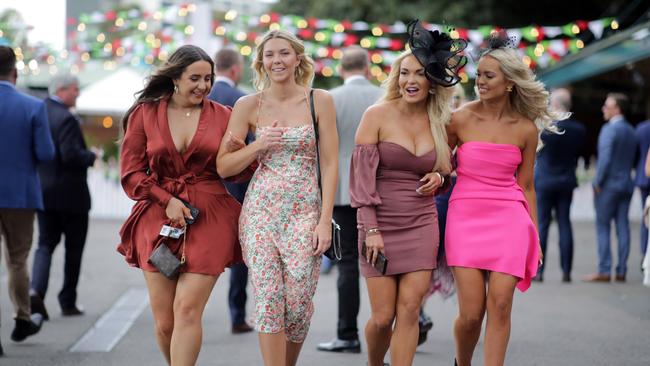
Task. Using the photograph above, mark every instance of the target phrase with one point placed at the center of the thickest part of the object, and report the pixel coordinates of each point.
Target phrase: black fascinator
(500, 39)
(438, 53)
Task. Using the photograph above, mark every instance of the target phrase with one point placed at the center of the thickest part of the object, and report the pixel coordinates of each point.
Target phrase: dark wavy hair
(161, 83)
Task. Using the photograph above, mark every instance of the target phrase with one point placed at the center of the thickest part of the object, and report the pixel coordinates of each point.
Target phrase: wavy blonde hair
(529, 96)
(438, 109)
(304, 73)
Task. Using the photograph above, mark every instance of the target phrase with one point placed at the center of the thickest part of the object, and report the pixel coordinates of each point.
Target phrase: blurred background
(112, 46)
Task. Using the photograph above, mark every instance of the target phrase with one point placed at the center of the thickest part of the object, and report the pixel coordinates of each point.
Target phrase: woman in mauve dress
(399, 161)
(491, 238)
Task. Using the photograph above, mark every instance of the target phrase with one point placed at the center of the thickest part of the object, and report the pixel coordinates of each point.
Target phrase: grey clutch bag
(165, 261)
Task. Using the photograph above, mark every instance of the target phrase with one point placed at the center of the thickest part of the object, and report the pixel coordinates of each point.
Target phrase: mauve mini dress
(383, 183)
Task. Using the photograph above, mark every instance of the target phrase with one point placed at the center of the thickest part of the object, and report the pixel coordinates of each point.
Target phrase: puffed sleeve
(363, 183)
(134, 164)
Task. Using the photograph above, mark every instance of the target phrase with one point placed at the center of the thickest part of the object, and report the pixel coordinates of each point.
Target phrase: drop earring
(509, 88)
(175, 89)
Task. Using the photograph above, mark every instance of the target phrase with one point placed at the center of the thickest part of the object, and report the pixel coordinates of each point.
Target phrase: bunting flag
(141, 38)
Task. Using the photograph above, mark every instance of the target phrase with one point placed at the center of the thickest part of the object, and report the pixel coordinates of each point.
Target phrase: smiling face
(490, 80)
(195, 82)
(413, 85)
(279, 60)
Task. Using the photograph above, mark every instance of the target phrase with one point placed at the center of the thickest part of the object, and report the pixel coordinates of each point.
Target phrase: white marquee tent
(112, 95)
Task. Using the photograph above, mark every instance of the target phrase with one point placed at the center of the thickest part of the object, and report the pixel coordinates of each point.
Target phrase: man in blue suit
(555, 180)
(25, 141)
(229, 66)
(66, 199)
(613, 187)
(641, 180)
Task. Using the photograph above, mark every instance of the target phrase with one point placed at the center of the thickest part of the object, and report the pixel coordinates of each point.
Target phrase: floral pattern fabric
(279, 214)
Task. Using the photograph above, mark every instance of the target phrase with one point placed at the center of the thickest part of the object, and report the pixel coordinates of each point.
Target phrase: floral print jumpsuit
(279, 215)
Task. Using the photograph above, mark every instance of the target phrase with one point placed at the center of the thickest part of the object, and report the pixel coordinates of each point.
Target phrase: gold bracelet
(372, 231)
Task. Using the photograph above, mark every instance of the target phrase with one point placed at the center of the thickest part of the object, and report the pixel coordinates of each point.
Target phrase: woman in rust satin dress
(172, 135)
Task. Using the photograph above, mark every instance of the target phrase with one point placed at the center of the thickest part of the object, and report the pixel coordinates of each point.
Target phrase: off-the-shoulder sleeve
(363, 183)
(134, 164)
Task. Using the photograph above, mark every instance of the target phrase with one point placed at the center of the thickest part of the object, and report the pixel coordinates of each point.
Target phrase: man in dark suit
(66, 199)
(641, 180)
(229, 66)
(24, 142)
(351, 101)
(613, 187)
(555, 180)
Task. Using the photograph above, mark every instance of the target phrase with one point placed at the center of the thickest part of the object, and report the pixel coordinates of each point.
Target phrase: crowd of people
(432, 193)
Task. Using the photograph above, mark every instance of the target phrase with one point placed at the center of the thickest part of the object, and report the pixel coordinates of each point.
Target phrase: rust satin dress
(153, 171)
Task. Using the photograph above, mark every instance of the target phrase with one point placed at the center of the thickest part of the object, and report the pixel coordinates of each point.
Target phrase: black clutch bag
(381, 264)
(165, 261)
(334, 251)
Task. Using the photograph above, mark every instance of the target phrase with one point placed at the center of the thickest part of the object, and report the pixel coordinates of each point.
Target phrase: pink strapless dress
(488, 222)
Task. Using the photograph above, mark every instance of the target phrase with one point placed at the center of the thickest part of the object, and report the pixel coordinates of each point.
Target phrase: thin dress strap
(259, 108)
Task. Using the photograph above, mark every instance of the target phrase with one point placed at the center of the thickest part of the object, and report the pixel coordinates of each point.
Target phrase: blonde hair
(529, 97)
(304, 73)
(438, 110)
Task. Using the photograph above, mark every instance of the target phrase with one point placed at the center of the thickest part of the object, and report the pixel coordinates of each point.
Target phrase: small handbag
(165, 261)
(334, 252)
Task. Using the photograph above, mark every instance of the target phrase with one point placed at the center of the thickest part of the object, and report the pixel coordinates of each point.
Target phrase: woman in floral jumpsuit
(285, 226)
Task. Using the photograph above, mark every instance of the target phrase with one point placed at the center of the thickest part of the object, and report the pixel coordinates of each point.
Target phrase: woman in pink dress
(491, 240)
(400, 158)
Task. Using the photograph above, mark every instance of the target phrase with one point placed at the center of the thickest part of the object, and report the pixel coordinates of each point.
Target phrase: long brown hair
(161, 83)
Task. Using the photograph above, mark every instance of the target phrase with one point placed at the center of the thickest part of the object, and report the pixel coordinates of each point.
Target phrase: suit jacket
(616, 153)
(63, 180)
(555, 167)
(351, 101)
(227, 95)
(24, 142)
(643, 138)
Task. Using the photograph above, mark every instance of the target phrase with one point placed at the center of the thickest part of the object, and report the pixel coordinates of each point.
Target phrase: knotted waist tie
(185, 186)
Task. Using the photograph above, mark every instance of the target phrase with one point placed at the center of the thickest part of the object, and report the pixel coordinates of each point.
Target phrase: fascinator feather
(438, 53)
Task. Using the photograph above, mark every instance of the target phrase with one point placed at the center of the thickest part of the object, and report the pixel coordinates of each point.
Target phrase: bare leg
(293, 351)
(273, 348)
(470, 284)
(410, 292)
(192, 293)
(382, 292)
(501, 288)
(161, 300)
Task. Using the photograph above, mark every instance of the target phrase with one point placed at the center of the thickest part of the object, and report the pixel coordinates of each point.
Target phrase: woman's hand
(234, 143)
(541, 254)
(374, 245)
(433, 181)
(322, 238)
(269, 137)
(177, 212)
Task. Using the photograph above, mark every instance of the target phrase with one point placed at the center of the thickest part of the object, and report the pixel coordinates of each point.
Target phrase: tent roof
(112, 95)
(613, 52)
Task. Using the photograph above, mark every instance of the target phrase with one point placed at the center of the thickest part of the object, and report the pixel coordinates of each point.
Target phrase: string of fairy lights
(139, 38)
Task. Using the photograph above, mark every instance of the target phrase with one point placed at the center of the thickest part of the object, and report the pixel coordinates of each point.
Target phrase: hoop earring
(175, 89)
(432, 91)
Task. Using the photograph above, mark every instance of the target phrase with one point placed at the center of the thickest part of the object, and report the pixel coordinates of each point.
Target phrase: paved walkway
(553, 323)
